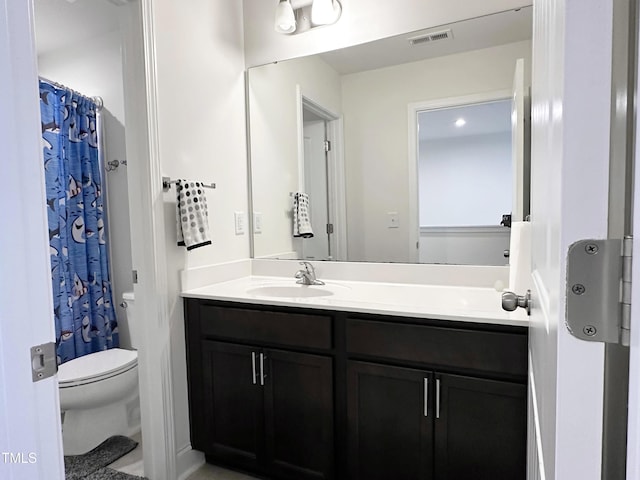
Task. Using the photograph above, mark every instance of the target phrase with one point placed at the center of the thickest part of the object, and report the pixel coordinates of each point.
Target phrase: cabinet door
(298, 393)
(233, 403)
(480, 429)
(390, 421)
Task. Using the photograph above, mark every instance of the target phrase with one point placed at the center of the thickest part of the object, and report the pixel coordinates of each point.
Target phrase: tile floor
(132, 464)
(212, 472)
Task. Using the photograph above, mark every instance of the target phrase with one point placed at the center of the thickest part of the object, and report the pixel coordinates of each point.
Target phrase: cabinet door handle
(426, 397)
(437, 398)
(262, 357)
(253, 367)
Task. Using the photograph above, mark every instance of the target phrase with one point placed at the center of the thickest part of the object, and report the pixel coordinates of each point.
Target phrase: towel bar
(167, 182)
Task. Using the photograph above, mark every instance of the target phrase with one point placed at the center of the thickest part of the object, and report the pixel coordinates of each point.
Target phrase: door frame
(336, 171)
(414, 109)
(633, 418)
(148, 243)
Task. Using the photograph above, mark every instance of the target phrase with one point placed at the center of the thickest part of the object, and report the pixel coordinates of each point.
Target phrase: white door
(30, 435)
(315, 181)
(633, 426)
(571, 93)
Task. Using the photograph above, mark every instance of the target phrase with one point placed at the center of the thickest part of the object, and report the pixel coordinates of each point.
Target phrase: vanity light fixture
(302, 15)
(285, 18)
(460, 122)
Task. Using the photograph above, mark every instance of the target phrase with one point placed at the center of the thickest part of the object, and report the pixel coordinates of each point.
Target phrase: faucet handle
(308, 266)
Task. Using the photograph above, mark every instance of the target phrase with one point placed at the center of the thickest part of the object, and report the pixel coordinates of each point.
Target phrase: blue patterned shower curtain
(82, 302)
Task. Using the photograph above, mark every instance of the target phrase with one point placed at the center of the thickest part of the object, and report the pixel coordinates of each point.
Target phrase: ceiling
(62, 23)
(481, 119)
(482, 32)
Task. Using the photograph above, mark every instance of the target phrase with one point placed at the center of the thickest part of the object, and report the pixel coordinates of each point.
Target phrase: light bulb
(460, 122)
(325, 12)
(285, 19)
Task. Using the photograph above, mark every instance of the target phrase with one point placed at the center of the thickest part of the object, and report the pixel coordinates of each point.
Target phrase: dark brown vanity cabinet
(293, 393)
(409, 424)
(480, 428)
(267, 410)
(389, 422)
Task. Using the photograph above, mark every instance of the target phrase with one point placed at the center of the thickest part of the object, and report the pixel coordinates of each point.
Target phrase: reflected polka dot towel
(301, 220)
(192, 216)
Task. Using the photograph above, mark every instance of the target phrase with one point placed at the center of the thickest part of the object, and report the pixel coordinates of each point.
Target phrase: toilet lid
(97, 365)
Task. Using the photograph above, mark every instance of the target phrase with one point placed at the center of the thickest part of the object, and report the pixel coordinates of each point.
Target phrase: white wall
(361, 21)
(274, 152)
(200, 102)
(376, 147)
(464, 245)
(465, 180)
(96, 70)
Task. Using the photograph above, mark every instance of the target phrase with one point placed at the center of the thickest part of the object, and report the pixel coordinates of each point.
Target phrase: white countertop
(468, 304)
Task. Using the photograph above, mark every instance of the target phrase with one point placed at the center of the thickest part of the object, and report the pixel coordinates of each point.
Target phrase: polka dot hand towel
(192, 216)
(301, 220)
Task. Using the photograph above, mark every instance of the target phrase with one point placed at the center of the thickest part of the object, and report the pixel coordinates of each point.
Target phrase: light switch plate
(392, 220)
(257, 222)
(239, 222)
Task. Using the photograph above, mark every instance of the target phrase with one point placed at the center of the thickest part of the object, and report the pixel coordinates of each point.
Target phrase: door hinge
(44, 361)
(327, 145)
(329, 228)
(134, 275)
(598, 290)
(627, 264)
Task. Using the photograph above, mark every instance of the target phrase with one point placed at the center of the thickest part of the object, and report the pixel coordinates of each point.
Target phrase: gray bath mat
(91, 465)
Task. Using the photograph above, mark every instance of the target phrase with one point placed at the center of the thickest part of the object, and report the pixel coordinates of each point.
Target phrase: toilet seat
(96, 367)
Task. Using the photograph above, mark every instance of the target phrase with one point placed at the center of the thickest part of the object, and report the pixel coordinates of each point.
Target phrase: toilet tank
(128, 326)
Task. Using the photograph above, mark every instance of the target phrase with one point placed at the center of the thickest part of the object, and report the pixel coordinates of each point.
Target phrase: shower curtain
(82, 302)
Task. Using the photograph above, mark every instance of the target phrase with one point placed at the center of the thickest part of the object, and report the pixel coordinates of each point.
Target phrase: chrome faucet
(308, 275)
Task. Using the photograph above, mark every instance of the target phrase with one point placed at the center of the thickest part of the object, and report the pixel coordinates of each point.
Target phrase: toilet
(99, 394)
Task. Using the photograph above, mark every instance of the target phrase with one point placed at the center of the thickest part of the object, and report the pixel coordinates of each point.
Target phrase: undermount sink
(291, 291)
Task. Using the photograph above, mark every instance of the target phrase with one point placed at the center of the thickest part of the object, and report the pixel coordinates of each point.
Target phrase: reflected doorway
(464, 183)
(321, 177)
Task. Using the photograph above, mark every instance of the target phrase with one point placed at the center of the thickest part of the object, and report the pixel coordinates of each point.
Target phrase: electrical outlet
(392, 220)
(257, 222)
(239, 222)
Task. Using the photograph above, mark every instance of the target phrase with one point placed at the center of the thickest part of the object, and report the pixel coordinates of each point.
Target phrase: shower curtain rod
(97, 100)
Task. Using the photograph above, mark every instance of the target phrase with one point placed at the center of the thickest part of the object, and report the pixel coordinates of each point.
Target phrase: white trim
(449, 102)
(412, 123)
(472, 229)
(300, 136)
(336, 173)
(159, 367)
(148, 244)
(413, 189)
(335, 133)
(188, 461)
(536, 434)
(518, 142)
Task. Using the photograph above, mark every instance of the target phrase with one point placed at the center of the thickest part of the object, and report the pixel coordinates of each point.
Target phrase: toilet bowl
(99, 396)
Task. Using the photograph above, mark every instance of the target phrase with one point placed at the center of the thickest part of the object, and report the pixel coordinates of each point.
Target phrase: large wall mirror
(408, 149)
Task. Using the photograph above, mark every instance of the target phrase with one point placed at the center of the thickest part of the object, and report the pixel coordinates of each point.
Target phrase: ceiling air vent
(431, 37)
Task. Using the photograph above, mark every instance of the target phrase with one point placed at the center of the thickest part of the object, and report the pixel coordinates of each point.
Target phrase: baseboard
(188, 461)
